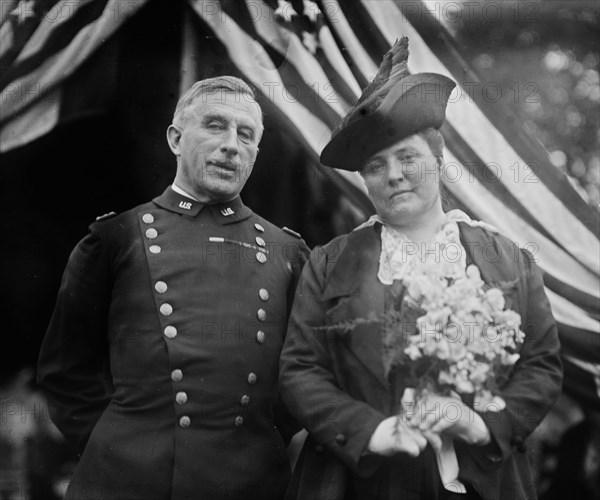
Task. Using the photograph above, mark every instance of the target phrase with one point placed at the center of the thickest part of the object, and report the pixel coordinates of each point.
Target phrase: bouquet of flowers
(461, 338)
(455, 338)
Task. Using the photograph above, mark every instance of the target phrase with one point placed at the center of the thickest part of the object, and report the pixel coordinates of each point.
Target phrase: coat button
(170, 332)
(238, 421)
(245, 400)
(181, 398)
(252, 378)
(260, 337)
(259, 241)
(340, 439)
(177, 375)
(261, 314)
(319, 448)
(166, 309)
(160, 286)
(154, 249)
(259, 227)
(261, 257)
(151, 233)
(148, 218)
(184, 422)
(263, 293)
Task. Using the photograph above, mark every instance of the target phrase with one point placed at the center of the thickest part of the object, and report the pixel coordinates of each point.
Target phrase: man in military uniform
(160, 363)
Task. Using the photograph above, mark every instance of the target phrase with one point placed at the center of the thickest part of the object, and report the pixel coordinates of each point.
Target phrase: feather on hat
(394, 105)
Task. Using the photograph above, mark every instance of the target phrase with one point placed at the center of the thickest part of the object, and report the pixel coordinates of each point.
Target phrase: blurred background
(88, 88)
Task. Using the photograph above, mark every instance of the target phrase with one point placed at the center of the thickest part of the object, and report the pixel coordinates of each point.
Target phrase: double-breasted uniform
(160, 363)
(335, 380)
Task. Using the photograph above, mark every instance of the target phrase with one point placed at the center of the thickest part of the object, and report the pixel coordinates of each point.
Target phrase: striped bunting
(489, 173)
(44, 48)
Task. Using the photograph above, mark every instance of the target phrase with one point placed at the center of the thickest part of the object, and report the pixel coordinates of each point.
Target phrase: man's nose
(229, 143)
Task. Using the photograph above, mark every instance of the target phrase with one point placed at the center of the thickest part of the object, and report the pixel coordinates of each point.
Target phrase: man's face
(217, 144)
(403, 180)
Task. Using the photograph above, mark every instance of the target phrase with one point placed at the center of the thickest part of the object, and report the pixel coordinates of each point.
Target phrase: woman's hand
(395, 436)
(450, 416)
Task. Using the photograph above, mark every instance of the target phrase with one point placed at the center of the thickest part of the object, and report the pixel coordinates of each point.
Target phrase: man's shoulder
(281, 234)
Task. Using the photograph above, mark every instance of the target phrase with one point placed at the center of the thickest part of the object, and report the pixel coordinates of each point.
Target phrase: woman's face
(403, 180)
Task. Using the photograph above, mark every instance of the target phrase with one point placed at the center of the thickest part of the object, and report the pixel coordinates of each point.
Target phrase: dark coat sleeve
(73, 369)
(308, 385)
(536, 381)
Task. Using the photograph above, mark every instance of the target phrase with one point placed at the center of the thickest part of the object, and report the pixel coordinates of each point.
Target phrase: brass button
(166, 309)
(160, 286)
(340, 439)
(148, 218)
(151, 233)
(239, 420)
(259, 227)
(245, 400)
(252, 378)
(261, 257)
(263, 293)
(260, 337)
(184, 422)
(170, 332)
(177, 375)
(155, 249)
(259, 241)
(261, 314)
(181, 398)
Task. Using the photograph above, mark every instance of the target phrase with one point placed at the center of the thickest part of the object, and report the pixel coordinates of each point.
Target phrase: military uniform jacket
(160, 363)
(336, 383)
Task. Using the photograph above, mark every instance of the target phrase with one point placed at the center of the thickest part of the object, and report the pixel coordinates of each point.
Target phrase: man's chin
(223, 193)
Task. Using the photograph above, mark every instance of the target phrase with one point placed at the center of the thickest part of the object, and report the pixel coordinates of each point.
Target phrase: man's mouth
(225, 165)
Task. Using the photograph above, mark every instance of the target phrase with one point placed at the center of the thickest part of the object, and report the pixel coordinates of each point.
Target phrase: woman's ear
(174, 139)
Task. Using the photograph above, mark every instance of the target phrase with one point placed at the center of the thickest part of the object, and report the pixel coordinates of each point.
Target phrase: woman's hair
(219, 84)
(434, 139)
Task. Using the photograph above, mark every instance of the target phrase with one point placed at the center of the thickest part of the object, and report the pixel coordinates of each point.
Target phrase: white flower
(495, 298)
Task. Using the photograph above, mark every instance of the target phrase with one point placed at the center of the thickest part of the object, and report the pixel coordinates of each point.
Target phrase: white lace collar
(400, 257)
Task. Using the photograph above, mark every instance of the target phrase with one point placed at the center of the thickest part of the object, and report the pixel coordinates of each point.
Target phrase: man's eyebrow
(213, 116)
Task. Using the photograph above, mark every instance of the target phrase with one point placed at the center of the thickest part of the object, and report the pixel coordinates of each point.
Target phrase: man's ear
(174, 138)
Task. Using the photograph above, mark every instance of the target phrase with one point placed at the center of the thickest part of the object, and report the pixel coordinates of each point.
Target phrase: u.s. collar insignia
(226, 212)
(186, 205)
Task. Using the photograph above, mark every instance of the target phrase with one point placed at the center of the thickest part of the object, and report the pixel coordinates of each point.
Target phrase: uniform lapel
(356, 292)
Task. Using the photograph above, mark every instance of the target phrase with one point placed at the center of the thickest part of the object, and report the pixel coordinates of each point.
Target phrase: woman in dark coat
(336, 382)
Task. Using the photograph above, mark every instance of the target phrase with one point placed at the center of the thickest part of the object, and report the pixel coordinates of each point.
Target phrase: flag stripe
(436, 36)
(39, 120)
(348, 87)
(62, 64)
(60, 14)
(288, 53)
(552, 259)
(359, 61)
(476, 168)
(16, 32)
(57, 40)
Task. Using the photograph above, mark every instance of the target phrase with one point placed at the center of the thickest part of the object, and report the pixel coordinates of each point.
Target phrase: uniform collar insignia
(230, 211)
(175, 202)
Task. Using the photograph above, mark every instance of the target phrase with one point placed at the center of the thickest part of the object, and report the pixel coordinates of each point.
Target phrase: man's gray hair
(216, 85)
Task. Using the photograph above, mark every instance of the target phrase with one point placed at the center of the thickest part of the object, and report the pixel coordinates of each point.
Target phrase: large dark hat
(393, 106)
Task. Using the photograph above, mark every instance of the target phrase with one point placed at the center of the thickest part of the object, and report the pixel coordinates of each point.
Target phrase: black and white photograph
(300, 250)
